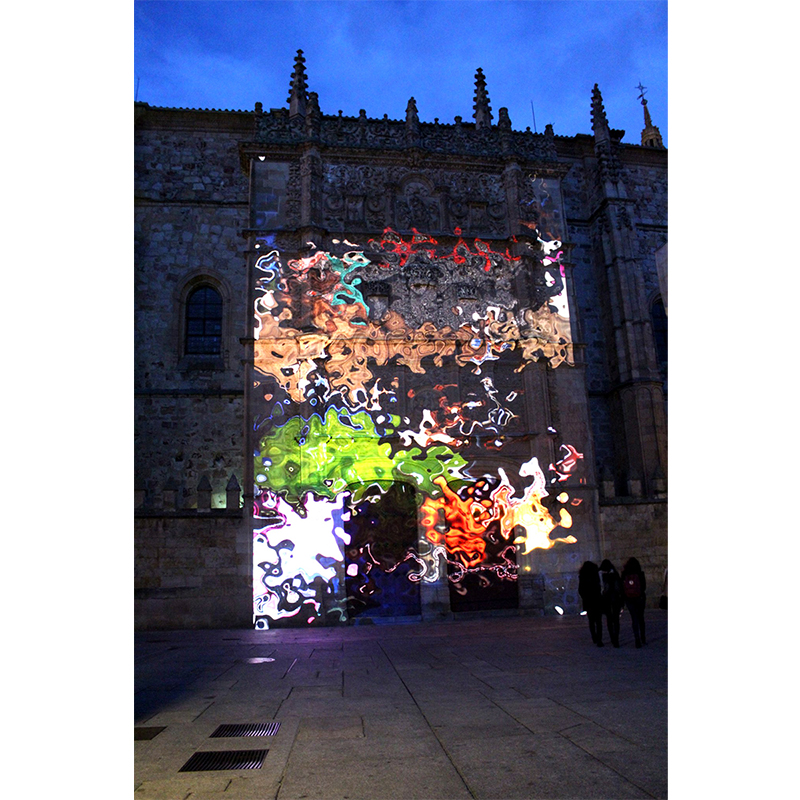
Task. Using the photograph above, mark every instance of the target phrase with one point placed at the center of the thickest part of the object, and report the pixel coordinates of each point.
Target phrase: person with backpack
(634, 586)
(611, 599)
(590, 591)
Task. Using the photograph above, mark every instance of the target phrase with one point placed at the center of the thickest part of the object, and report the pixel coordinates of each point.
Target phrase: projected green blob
(344, 452)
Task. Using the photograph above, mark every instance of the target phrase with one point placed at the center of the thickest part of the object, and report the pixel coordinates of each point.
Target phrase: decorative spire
(232, 491)
(412, 124)
(651, 136)
(313, 116)
(483, 111)
(412, 118)
(550, 141)
(604, 146)
(298, 87)
(599, 121)
(503, 120)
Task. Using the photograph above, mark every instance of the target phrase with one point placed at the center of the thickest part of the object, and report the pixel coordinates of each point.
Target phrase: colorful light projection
(370, 432)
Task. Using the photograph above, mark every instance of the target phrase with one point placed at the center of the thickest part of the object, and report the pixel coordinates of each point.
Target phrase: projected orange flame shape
(468, 520)
(466, 523)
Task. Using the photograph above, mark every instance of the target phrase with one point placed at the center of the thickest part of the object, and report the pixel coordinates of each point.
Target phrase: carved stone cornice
(414, 158)
(277, 127)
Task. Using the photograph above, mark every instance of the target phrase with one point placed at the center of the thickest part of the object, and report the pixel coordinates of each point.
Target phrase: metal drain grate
(257, 729)
(145, 734)
(230, 759)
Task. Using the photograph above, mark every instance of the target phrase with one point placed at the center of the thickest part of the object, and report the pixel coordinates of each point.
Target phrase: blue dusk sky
(376, 54)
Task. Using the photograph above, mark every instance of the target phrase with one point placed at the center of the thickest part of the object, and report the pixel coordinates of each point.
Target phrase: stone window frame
(204, 312)
(190, 282)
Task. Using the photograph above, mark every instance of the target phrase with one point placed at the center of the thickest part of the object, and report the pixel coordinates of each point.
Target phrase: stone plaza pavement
(500, 707)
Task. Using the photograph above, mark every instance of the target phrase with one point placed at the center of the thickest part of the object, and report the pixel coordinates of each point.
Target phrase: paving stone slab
(642, 721)
(348, 753)
(477, 732)
(543, 716)
(316, 728)
(538, 766)
(387, 779)
(401, 724)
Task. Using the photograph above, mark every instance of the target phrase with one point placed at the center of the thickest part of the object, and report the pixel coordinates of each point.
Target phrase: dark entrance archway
(381, 560)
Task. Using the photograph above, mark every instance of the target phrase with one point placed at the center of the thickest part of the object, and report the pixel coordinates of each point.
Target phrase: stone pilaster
(636, 391)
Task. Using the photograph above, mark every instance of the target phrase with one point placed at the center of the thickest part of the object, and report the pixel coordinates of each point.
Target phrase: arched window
(658, 317)
(204, 322)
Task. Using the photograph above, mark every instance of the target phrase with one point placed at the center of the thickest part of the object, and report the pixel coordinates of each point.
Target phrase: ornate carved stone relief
(416, 208)
(293, 196)
(436, 201)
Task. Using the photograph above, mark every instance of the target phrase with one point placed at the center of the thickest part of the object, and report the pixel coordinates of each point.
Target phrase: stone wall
(637, 529)
(648, 186)
(178, 161)
(174, 246)
(190, 211)
(192, 568)
(182, 438)
(192, 571)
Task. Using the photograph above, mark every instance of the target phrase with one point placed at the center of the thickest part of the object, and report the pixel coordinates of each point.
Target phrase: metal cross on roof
(641, 91)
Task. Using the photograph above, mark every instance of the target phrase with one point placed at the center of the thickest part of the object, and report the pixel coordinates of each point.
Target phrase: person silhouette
(634, 587)
(611, 599)
(590, 591)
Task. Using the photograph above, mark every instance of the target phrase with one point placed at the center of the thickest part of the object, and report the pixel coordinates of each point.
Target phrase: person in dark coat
(590, 590)
(611, 599)
(634, 587)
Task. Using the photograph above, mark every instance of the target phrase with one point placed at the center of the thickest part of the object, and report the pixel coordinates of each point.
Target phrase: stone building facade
(392, 369)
